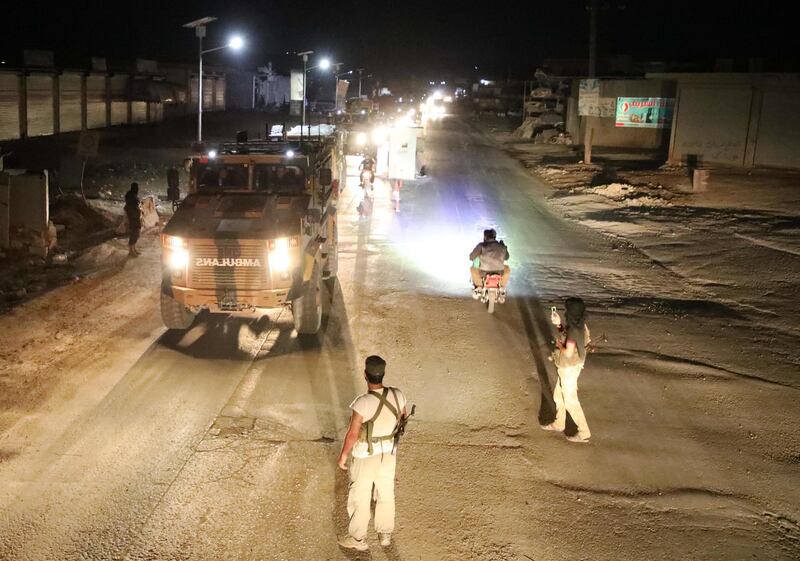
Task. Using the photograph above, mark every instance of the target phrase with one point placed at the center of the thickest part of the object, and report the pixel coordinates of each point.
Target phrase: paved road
(221, 443)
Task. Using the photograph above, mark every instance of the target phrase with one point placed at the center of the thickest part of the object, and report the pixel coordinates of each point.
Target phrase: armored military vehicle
(256, 231)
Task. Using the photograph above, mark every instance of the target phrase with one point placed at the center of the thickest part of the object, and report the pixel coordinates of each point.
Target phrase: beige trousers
(477, 279)
(377, 470)
(566, 398)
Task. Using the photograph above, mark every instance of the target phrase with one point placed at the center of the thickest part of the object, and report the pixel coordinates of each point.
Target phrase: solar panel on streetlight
(199, 25)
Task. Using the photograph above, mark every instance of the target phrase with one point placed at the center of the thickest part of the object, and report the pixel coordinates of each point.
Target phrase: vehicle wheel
(174, 314)
(307, 309)
(490, 303)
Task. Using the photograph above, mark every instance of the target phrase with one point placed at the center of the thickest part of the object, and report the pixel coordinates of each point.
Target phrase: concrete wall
(605, 131)
(778, 139)
(24, 207)
(742, 120)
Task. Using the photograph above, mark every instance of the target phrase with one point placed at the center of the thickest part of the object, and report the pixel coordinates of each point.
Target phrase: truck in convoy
(256, 231)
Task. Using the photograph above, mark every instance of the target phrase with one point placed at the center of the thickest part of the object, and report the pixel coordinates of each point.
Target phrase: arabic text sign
(645, 112)
(296, 85)
(590, 104)
(588, 97)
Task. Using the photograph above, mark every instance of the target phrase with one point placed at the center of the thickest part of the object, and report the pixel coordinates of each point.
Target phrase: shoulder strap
(382, 402)
(385, 402)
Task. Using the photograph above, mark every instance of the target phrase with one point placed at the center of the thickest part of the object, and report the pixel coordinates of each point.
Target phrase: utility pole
(593, 9)
(589, 130)
(360, 70)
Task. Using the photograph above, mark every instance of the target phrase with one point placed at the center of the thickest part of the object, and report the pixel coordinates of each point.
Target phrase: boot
(349, 542)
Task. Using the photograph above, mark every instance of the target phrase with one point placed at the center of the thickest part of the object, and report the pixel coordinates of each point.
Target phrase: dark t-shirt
(578, 335)
(132, 206)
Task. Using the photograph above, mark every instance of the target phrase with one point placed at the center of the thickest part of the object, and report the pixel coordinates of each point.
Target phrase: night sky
(397, 38)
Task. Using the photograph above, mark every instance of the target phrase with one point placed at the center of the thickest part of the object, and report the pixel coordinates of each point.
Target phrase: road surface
(122, 441)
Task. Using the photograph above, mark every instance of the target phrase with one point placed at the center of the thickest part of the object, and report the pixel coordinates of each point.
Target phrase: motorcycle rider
(367, 165)
(491, 256)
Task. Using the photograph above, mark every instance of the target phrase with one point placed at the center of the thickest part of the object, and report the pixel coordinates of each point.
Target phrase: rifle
(401, 428)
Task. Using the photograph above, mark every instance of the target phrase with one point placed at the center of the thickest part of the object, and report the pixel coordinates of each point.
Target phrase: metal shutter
(156, 112)
(95, 102)
(208, 94)
(69, 102)
(139, 112)
(40, 105)
(219, 104)
(119, 100)
(193, 92)
(9, 106)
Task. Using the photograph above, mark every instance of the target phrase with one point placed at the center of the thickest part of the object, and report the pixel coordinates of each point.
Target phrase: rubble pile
(544, 114)
(77, 221)
(635, 195)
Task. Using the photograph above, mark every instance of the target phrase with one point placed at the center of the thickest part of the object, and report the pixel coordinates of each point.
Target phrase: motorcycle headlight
(361, 138)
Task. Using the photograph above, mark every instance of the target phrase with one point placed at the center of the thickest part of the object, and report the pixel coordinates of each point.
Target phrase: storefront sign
(645, 112)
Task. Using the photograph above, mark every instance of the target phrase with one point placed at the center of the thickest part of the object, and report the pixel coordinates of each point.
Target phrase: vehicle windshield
(279, 179)
(216, 176)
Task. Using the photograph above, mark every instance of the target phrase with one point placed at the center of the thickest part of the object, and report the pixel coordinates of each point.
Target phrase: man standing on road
(569, 357)
(491, 255)
(370, 437)
(133, 212)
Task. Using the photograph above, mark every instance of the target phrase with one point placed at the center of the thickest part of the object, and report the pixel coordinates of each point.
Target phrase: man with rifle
(377, 421)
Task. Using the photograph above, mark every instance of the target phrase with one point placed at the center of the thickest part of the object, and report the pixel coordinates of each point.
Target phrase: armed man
(376, 423)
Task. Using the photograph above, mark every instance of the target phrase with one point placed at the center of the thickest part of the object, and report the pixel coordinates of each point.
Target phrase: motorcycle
(367, 177)
(365, 206)
(491, 291)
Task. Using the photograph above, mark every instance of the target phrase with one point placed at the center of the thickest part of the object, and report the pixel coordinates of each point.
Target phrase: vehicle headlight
(176, 256)
(178, 259)
(279, 255)
(361, 138)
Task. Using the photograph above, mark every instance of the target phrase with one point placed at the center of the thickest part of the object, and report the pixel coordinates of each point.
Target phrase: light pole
(336, 67)
(304, 54)
(360, 70)
(234, 43)
(323, 64)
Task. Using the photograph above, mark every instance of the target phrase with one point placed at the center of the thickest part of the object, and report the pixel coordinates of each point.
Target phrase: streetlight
(360, 70)
(235, 43)
(324, 64)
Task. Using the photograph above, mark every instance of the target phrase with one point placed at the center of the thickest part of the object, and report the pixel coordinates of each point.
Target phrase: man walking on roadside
(133, 212)
(569, 357)
(370, 438)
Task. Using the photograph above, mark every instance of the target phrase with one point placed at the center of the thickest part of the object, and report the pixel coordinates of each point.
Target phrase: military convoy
(257, 230)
